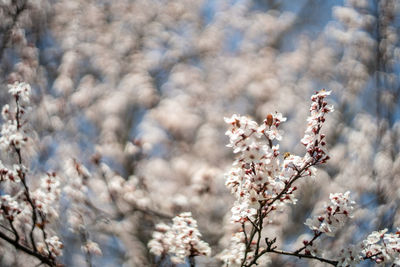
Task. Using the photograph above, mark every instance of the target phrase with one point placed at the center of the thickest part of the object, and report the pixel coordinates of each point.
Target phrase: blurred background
(135, 91)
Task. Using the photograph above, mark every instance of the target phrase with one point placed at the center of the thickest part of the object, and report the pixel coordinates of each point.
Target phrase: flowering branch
(35, 204)
(260, 182)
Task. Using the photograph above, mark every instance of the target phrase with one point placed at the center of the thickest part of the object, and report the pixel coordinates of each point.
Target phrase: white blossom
(21, 90)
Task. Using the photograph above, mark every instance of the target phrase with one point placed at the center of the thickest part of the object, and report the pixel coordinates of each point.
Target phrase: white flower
(21, 90)
(242, 132)
(320, 94)
(241, 211)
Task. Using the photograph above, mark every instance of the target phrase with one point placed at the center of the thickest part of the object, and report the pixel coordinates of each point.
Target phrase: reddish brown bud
(269, 120)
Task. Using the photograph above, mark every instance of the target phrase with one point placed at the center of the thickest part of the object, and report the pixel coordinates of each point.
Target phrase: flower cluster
(13, 134)
(47, 194)
(9, 208)
(7, 174)
(256, 173)
(20, 90)
(313, 139)
(180, 240)
(334, 216)
(380, 247)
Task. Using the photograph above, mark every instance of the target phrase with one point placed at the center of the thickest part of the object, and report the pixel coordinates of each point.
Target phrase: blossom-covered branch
(260, 181)
(28, 212)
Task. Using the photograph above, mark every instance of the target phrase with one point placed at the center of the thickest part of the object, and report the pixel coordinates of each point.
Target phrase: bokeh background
(136, 90)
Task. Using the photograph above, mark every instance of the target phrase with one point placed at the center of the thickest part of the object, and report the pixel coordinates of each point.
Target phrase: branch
(316, 235)
(301, 255)
(272, 249)
(44, 259)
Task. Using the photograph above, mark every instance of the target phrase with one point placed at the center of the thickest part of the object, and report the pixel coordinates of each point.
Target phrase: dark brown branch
(192, 261)
(301, 255)
(44, 259)
(22, 177)
(316, 235)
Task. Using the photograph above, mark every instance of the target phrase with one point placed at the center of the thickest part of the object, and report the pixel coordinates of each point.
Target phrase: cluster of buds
(180, 240)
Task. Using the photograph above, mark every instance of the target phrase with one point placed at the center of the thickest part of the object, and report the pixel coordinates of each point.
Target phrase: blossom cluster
(334, 216)
(9, 208)
(313, 139)
(47, 195)
(13, 134)
(256, 174)
(180, 240)
(7, 174)
(380, 247)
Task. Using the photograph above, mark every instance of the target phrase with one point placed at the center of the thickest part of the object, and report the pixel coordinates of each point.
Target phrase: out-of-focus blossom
(180, 240)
